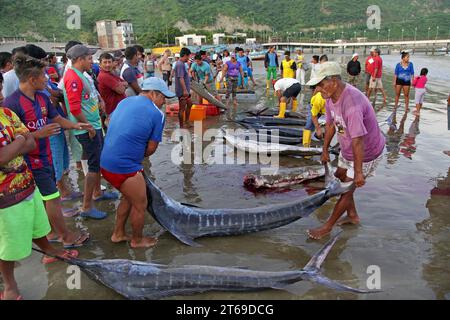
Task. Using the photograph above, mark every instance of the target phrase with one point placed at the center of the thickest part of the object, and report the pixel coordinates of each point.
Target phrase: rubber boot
(307, 138)
(282, 110)
(294, 105)
(268, 84)
(218, 85)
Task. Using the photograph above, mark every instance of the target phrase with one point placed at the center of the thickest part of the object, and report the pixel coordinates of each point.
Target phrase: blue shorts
(60, 154)
(92, 149)
(250, 72)
(46, 183)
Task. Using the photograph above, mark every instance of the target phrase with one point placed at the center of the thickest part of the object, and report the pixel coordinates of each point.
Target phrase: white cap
(327, 69)
(355, 55)
(177, 55)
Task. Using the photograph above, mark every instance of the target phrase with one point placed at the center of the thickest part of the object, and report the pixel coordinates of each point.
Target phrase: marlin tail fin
(312, 270)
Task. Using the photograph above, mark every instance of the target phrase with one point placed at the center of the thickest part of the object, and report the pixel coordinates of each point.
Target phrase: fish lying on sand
(260, 147)
(147, 281)
(187, 223)
(283, 178)
(278, 130)
(272, 121)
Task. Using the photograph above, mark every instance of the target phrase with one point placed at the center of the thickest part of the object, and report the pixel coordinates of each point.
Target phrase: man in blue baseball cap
(134, 132)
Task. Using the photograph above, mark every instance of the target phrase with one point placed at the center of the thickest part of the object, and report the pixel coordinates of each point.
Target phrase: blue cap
(157, 84)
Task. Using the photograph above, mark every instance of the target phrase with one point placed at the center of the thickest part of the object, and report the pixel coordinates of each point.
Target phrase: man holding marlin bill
(351, 116)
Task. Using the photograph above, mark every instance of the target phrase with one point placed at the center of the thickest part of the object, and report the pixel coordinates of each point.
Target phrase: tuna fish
(147, 281)
(284, 178)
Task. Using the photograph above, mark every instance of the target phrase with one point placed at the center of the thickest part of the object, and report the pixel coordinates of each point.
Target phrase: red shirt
(107, 82)
(379, 66)
(370, 65)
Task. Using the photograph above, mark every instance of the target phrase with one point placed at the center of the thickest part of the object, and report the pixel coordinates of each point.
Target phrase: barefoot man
(351, 116)
(134, 132)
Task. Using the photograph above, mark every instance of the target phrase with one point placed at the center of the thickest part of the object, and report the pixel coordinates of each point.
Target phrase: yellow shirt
(317, 105)
(287, 69)
(299, 60)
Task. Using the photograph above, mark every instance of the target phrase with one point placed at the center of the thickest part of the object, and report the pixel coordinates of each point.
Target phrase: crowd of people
(52, 112)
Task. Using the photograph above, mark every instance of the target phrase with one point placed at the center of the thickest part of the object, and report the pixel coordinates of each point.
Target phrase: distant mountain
(155, 21)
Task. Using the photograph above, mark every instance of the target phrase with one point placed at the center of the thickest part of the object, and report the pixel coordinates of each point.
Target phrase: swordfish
(137, 280)
(187, 223)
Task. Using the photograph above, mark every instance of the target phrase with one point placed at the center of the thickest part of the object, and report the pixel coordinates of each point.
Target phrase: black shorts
(166, 77)
(293, 91)
(400, 82)
(92, 149)
(46, 182)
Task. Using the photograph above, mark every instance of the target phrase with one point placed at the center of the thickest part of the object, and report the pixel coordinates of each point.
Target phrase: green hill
(153, 20)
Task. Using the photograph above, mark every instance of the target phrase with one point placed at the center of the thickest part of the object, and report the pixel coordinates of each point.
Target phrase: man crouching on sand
(350, 114)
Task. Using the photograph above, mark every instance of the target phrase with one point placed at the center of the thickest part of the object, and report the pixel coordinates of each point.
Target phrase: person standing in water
(232, 70)
(419, 84)
(271, 64)
(138, 124)
(404, 74)
(352, 117)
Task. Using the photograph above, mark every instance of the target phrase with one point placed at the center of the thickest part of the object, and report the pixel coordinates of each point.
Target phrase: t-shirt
(130, 73)
(181, 72)
(378, 64)
(51, 70)
(134, 123)
(226, 59)
(315, 68)
(16, 180)
(370, 65)
(318, 105)
(354, 117)
(285, 83)
(420, 82)
(233, 69)
(35, 115)
(244, 62)
(202, 71)
(79, 97)
(10, 83)
(107, 82)
(272, 59)
(405, 74)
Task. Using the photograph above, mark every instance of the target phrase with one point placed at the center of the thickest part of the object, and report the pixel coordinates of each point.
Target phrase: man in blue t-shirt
(134, 132)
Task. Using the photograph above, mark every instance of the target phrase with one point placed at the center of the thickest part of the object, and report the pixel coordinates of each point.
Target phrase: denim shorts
(92, 149)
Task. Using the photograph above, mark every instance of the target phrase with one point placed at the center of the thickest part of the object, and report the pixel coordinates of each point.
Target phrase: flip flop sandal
(76, 243)
(70, 212)
(107, 196)
(2, 296)
(73, 196)
(54, 240)
(67, 254)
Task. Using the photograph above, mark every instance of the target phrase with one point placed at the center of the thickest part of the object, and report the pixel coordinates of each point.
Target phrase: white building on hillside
(190, 40)
(219, 38)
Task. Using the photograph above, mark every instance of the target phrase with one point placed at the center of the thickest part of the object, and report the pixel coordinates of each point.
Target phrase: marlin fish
(282, 131)
(187, 223)
(272, 121)
(147, 281)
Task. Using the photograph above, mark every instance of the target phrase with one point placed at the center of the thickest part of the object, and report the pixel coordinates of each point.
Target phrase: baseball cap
(157, 84)
(373, 49)
(327, 69)
(79, 51)
(233, 55)
(355, 55)
(177, 55)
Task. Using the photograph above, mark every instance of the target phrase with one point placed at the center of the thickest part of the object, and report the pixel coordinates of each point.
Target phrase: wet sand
(404, 214)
